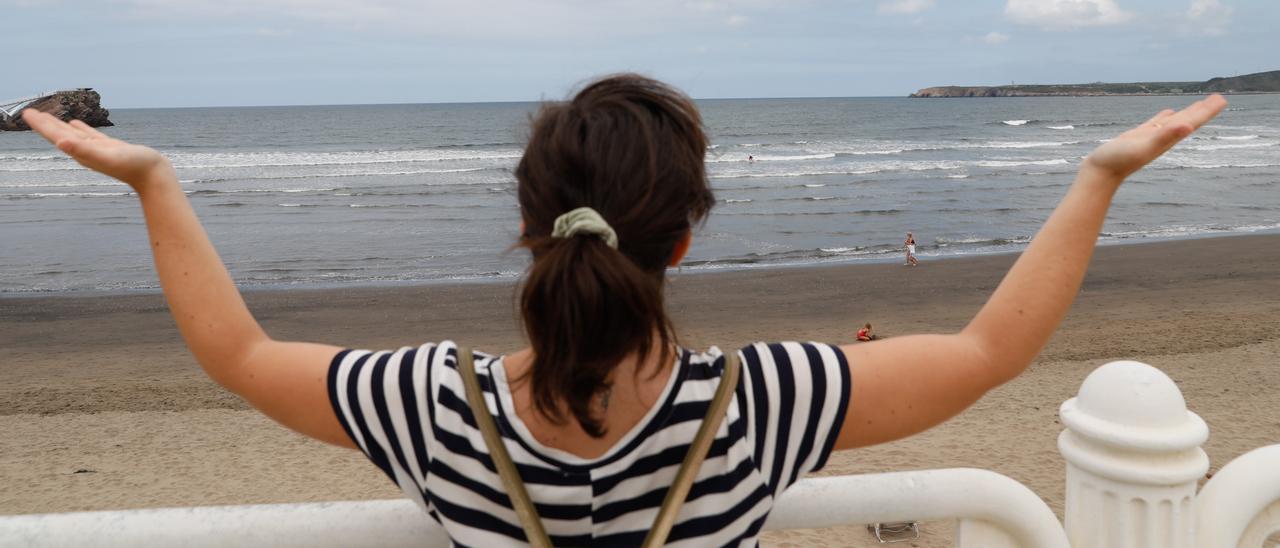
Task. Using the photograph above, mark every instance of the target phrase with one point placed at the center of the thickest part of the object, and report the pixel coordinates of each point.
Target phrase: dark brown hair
(631, 148)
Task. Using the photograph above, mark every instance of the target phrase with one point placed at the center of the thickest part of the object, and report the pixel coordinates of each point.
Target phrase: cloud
(1063, 14)
(995, 38)
(474, 19)
(905, 6)
(1209, 16)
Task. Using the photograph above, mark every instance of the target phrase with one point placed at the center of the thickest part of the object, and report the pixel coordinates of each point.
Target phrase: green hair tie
(584, 220)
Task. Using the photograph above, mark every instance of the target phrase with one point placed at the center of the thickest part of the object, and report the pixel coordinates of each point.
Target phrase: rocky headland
(1262, 82)
(82, 104)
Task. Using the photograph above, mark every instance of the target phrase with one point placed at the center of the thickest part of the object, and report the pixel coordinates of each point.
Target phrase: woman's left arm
(285, 380)
(905, 385)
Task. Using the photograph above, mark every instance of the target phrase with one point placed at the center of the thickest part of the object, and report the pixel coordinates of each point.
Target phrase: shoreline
(689, 271)
(104, 408)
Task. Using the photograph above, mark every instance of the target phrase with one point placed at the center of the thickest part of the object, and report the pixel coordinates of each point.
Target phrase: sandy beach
(103, 408)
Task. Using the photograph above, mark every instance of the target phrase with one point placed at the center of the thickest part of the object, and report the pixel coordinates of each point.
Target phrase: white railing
(390, 523)
(994, 511)
(1133, 459)
(1006, 515)
(1240, 506)
(11, 107)
(1006, 510)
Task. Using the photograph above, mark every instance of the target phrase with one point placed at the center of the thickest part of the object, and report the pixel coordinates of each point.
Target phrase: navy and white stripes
(407, 410)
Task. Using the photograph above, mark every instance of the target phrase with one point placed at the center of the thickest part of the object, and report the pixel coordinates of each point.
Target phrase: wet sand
(101, 407)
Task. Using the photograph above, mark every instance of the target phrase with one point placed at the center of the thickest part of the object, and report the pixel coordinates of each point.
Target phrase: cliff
(1262, 82)
(81, 104)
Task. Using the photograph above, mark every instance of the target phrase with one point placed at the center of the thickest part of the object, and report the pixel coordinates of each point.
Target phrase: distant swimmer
(751, 158)
(911, 251)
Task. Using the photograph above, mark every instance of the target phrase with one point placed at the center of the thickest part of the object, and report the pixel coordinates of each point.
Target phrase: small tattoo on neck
(604, 397)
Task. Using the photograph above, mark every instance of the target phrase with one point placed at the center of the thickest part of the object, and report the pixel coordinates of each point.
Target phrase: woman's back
(407, 411)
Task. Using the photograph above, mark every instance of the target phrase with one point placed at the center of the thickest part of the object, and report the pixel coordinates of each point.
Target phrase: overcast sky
(144, 53)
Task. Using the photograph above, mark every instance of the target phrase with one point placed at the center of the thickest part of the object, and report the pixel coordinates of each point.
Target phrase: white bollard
(1133, 458)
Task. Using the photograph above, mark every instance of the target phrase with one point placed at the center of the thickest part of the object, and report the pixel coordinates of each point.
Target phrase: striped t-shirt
(407, 410)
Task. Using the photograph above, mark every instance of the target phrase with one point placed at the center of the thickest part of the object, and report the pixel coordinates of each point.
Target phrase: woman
(910, 244)
(597, 413)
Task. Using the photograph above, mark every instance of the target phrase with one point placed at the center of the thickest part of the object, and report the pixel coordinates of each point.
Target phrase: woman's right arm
(905, 385)
(284, 380)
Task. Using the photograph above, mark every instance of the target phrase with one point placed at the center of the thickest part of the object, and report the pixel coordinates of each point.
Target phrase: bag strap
(533, 531)
(697, 453)
(676, 494)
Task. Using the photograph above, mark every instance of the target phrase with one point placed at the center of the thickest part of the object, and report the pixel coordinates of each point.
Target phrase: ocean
(375, 194)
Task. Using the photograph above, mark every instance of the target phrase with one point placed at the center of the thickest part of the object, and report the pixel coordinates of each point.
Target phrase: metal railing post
(1133, 458)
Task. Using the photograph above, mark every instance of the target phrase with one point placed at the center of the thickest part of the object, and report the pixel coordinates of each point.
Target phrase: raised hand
(1133, 149)
(133, 164)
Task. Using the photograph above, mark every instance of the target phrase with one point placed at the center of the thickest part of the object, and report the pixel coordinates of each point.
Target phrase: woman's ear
(681, 248)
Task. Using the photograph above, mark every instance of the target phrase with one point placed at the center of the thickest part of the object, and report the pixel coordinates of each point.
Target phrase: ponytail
(586, 307)
(631, 149)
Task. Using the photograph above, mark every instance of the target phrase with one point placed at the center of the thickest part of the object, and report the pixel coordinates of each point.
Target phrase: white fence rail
(391, 523)
(1240, 506)
(12, 106)
(994, 510)
(1133, 459)
(1005, 510)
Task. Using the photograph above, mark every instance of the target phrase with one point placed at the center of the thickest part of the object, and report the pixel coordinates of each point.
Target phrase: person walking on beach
(596, 413)
(911, 251)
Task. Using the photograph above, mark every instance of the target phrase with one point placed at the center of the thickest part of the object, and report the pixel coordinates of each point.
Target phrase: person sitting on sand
(865, 333)
(911, 251)
(597, 411)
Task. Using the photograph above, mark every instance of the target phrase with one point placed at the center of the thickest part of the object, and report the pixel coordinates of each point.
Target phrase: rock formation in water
(1262, 82)
(81, 104)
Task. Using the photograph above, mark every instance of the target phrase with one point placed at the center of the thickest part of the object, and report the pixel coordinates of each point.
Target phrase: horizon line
(498, 102)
